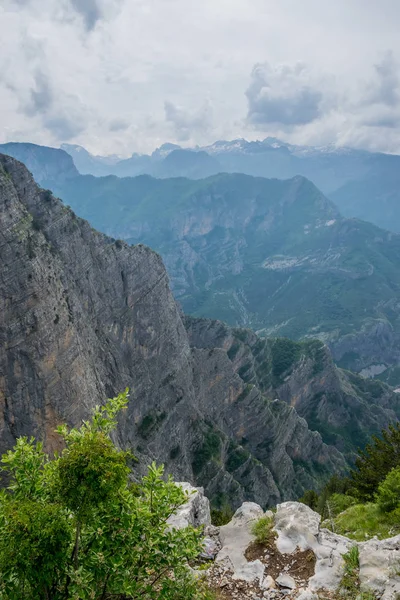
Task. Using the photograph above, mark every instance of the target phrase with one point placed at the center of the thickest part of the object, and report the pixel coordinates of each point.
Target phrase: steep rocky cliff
(49, 165)
(82, 316)
(272, 255)
(344, 407)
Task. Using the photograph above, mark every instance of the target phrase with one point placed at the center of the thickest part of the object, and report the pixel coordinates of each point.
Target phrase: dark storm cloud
(282, 95)
(388, 80)
(64, 117)
(89, 10)
(41, 95)
(184, 122)
(118, 125)
(64, 127)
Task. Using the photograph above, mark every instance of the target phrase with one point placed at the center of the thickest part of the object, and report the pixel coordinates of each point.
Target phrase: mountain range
(272, 255)
(365, 185)
(82, 316)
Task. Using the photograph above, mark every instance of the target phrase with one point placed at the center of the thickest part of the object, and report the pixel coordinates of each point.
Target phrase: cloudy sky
(119, 76)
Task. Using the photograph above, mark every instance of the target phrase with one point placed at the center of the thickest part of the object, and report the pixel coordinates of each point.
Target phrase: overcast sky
(119, 76)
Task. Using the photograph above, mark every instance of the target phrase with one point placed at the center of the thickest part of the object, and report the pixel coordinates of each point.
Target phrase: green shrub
(388, 496)
(221, 516)
(237, 456)
(340, 502)
(350, 582)
(310, 498)
(375, 462)
(74, 526)
(285, 353)
(209, 449)
(363, 521)
(262, 530)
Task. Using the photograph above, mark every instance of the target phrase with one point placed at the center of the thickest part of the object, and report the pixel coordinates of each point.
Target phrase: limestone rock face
(235, 538)
(380, 566)
(195, 512)
(297, 530)
(83, 316)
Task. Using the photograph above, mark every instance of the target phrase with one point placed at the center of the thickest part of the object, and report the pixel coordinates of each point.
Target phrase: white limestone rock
(195, 512)
(235, 538)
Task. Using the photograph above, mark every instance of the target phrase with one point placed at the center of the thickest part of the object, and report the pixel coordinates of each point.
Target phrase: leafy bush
(363, 521)
(209, 449)
(237, 456)
(375, 462)
(340, 502)
(310, 498)
(74, 527)
(388, 496)
(349, 588)
(262, 530)
(221, 516)
(285, 352)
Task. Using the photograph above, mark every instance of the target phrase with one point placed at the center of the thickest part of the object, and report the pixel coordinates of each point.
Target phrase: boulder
(195, 512)
(298, 527)
(380, 567)
(235, 538)
(286, 581)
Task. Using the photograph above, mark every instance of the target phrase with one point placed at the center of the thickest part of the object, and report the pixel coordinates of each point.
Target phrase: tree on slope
(374, 463)
(76, 528)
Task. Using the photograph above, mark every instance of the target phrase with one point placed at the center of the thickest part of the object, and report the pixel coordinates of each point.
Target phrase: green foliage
(336, 488)
(350, 582)
(209, 448)
(75, 528)
(310, 498)
(374, 463)
(349, 588)
(284, 353)
(237, 456)
(340, 502)
(363, 521)
(221, 516)
(388, 496)
(149, 423)
(262, 529)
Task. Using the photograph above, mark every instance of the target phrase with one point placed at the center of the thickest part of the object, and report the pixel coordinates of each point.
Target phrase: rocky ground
(300, 561)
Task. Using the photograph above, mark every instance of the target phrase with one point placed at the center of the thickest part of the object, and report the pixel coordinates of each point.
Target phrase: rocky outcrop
(196, 511)
(302, 561)
(49, 166)
(83, 316)
(344, 407)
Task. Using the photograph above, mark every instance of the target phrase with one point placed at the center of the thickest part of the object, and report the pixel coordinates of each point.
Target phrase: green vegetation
(209, 449)
(221, 516)
(149, 423)
(349, 588)
(375, 462)
(363, 521)
(263, 530)
(367, 502)
(74, 527)
(284, 353)
(388, 496)
(237, 456)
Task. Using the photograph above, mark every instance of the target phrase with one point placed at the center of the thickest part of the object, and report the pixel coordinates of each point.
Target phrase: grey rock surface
(380, 567)
(83, 316)
(298, 527)
(235, 538)
(195, 512)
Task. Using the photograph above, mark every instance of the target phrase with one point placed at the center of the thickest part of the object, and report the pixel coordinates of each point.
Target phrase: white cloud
(119, 76)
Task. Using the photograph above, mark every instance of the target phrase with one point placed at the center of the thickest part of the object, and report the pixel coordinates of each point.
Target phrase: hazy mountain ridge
(83, 316)
(234, 253)
(363, 184)
(272, 255)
